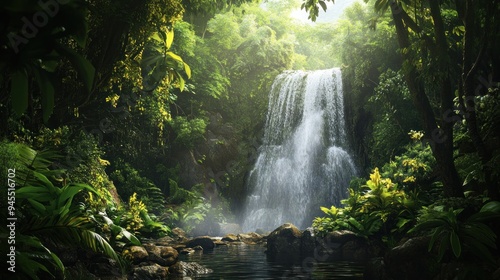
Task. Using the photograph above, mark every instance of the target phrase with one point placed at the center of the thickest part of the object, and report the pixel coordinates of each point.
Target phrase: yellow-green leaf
(174, 56)
(156, 37)
(187, 69)
(170, 39)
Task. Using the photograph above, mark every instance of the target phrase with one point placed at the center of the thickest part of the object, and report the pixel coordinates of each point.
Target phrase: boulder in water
(204, 241)
(187, 251)
(230, 238)
(179, 234)
(198, 248)
(162, 255)
(250, 238)
(308, 242)
(284, 242)
(220, 243)
(355, 250)
(104, 268)
(206, 227)
(188, 269)
(153, 271)
(165, 241)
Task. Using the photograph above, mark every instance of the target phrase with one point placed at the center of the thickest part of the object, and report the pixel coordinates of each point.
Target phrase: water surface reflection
(249, 262)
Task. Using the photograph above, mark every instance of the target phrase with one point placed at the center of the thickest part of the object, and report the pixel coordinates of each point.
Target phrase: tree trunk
(441, 139)
(471, 58)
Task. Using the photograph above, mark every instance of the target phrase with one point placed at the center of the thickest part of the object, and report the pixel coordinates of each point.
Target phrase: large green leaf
(357, 225)
(37, 205)
(443, 246)
(323, 5)
(155, 36)
(98, 244)
(85, 69)
(157, 63)
(19, 92)
(181, 81)
(68, 192)
(477, 248)
(39, 194)
(169, 39)
(150, 57)
(174, 56)
(34, 162)
(456, 247)
(187, 69)
(492, 206)
(130, 237)
(481, 232)
(434, 237)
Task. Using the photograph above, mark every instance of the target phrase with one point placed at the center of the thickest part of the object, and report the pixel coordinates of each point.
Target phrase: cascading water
(303, 163)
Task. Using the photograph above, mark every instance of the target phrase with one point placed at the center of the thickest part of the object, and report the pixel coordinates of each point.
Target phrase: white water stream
(303, 163)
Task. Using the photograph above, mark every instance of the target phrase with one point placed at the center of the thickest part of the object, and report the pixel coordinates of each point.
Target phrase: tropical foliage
(379, 210)
(50, 215)
(449, 233)
(155, 110)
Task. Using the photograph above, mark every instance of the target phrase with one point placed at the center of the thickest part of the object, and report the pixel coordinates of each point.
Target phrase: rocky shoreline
(159, 258)
(155, 258)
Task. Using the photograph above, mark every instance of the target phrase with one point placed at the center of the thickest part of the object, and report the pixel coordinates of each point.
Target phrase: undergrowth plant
(192, 209)
(128, 181)
(460, 236)
(377, 210)
(48, 213)
(135, 218)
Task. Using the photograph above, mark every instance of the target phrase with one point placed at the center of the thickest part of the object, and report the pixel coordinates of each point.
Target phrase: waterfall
(303, 163)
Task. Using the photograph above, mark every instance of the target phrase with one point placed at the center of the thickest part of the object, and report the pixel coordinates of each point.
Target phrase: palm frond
(49, 214)
(72, 230)
(39, 161)
(35, 257)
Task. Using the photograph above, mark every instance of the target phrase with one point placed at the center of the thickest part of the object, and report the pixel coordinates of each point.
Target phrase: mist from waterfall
(303, 163)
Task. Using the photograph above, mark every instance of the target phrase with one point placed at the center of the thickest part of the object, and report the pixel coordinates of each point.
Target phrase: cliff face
(214, 162)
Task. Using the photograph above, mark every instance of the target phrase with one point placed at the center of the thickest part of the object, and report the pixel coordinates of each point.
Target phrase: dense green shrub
(128, 181)
(188, 132)
(135, 217)
(379, 209)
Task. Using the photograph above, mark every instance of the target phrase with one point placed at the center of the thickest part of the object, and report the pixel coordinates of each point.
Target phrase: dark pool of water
(250, 262)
